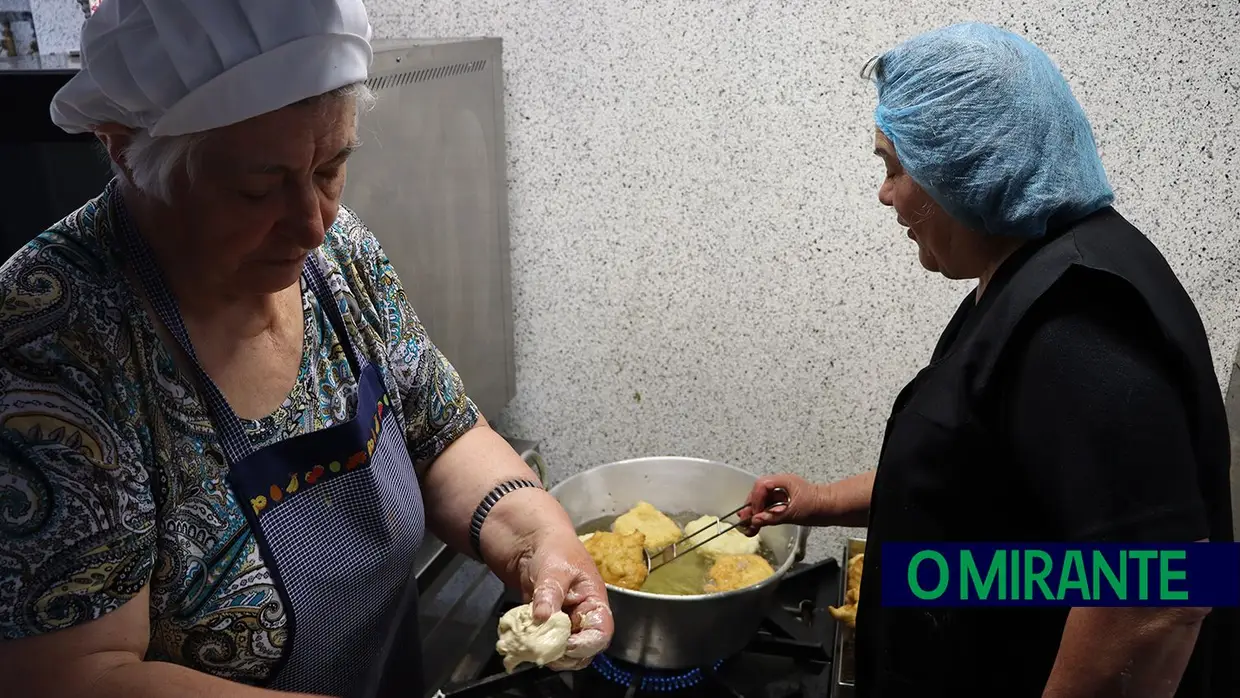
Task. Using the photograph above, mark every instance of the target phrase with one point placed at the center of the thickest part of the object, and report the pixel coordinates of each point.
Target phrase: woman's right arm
(849, 500)
(842, 503)
(103, 658)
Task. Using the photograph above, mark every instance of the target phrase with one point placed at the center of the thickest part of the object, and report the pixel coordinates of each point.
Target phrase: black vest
(938, 479)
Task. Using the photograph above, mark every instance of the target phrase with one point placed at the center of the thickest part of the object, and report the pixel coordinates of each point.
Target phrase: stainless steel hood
(430, 180)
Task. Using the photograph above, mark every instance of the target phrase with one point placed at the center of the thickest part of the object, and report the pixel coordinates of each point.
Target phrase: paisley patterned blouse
(110, 473)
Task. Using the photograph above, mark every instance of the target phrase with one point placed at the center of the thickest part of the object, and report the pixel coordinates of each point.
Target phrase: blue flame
(661, 682)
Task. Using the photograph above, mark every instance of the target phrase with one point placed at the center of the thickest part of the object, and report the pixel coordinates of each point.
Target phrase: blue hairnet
(985, 123)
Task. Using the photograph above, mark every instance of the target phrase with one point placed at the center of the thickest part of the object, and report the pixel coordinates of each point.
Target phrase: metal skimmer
(778, 497)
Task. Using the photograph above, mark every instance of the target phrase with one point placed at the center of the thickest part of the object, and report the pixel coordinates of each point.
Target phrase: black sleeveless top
(1076, 401)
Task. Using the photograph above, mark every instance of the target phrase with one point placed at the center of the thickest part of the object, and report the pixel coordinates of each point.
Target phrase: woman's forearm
(846, 502)
(1128, 652)
(463, 474)
(103, 658)
(164, 680)
(123, 675)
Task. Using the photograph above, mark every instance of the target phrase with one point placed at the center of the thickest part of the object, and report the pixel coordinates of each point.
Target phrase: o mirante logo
(1058, 574)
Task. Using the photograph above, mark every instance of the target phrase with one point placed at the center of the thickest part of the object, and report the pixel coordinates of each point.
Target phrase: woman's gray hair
(153, 162)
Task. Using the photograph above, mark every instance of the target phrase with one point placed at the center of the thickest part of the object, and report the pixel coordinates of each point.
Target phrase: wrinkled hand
(557, 575)
(762, 507)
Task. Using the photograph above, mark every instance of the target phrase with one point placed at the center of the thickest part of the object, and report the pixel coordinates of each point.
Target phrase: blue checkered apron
(337, 513)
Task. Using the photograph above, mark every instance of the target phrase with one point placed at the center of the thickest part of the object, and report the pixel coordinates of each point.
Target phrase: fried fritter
(619, 558)
(854, 571)
(731, 543)
(852, 593)
(845, 614)
(659, 529)
(737, 572)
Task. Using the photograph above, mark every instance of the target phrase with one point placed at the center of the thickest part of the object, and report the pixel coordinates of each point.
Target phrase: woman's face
(926, 222)
(263, 195)
(943, 245)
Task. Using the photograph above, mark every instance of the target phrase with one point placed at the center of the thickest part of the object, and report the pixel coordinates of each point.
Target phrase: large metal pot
(679, 632)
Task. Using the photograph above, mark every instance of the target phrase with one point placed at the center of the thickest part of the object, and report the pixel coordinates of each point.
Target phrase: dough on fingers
(522, 640)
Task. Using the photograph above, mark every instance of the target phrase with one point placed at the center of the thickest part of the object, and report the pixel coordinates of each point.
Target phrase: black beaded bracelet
(484, 508)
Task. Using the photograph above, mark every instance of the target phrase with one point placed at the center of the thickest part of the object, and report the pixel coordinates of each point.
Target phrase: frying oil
(687, 574)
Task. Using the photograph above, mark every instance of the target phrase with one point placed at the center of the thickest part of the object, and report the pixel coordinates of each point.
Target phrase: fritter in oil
(619, 558)
(732, 572)
(660, 531)
(731, 543)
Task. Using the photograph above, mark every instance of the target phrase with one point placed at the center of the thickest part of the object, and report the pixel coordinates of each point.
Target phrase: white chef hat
(183, 66)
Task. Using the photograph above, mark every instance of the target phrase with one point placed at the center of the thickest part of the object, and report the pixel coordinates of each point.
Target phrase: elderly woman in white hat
(223, 431)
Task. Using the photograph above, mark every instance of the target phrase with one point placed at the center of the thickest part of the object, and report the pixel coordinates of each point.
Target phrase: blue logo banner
(1061, 574)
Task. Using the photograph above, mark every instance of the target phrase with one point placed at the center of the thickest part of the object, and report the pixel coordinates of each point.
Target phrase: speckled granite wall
(58, 24)
(701, 265)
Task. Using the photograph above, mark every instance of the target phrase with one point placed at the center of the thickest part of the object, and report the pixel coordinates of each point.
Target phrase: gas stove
(459, 603)
(790, 657)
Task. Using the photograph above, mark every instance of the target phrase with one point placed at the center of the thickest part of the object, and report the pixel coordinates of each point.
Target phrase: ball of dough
(731, 543)
(659, 529)
(522, 640)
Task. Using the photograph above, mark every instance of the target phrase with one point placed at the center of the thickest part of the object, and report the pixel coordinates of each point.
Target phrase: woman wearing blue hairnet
(1072, 396)
(224, 433)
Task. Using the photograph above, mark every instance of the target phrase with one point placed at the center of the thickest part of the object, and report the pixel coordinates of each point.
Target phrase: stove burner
(651, 682)
(789, 656)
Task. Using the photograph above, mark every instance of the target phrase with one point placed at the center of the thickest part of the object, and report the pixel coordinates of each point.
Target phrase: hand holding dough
(521, 640)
